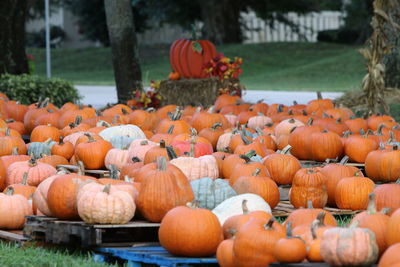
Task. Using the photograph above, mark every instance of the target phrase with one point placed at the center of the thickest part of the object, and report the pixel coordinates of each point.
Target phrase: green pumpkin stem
(321, 218)
(286, 150)
(244, 139)
(161, 163)
(162, 143)
(32, 161)
(90, 137)
(81, 168)
(344, 160)
(25, 179)
(193, 205)
(78, 120)
(10, 191)
(171, 153)
(314, 226)
(61, 140)
(289, 233)
(256, 172)
(10, 120)
(371, 209)
(170, 129)
(247, 157)
(136, 159)
(107, 189)
(7, 132)
(216, 125)
(113, 172)
(176, 115)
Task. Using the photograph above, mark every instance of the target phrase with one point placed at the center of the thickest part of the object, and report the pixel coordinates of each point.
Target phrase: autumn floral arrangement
(228, 71)
(149, 98)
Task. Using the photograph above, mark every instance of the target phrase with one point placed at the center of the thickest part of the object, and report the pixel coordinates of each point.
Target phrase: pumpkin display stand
(196, 92)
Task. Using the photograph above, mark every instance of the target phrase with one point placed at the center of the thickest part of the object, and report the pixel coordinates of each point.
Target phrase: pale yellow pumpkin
(259, 121)
(106, 206)
(117, 157)
(223, 141)
(196, 168)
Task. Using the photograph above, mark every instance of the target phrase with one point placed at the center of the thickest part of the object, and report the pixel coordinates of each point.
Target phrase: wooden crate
(52, 230)
(14, 236)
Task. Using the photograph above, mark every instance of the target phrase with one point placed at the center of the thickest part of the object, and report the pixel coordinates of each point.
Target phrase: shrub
(27, 89)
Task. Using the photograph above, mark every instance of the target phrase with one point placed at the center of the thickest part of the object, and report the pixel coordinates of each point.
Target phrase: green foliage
(12, 255)
(267, 66)
(28, 89)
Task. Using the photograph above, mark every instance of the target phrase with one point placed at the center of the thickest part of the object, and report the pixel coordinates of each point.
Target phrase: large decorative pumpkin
(187, 57)
(308, 185)
(37, 172)
(325, 145)
(108, 206)
(233, 206)
(190, 231)
(349, 246)
(164, 188)
(13, 208)
(209, 192)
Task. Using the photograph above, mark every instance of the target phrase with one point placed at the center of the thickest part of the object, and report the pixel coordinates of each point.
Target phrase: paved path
(99, 96)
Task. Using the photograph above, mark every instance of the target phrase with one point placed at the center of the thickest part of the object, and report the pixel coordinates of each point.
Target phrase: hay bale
(195, 92)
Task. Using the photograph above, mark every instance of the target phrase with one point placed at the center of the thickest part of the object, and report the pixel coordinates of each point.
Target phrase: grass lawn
(267, 66)
(11, 255)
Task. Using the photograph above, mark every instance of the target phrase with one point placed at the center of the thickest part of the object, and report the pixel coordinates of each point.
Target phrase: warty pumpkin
(351, 246)
(190, 231)
(106, 206)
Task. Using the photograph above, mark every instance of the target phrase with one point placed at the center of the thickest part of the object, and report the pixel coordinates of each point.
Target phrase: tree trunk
(392, 59)
(222, 21)
(124, 47)
(12, 36)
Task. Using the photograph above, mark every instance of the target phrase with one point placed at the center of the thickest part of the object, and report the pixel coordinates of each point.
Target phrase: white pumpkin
(128, 130)
(196, 168)
(259, 121)
(117, 157)
(233, 206)
(223, 141)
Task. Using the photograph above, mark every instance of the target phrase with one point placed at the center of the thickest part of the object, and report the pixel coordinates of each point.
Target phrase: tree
(121, 30)
(13, 14)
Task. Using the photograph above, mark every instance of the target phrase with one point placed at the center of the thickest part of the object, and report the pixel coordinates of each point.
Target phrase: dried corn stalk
(373, 83)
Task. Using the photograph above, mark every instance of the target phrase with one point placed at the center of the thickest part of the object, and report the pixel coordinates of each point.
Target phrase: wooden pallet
(284, 208)
(13, 236)
(311, 163)
(150, 255)
(96, 173)
(52, 230)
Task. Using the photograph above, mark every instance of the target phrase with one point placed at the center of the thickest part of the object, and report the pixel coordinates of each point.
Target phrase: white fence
(308, 25)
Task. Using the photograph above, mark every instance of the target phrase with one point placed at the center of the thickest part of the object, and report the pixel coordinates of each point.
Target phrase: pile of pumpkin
(162, 159)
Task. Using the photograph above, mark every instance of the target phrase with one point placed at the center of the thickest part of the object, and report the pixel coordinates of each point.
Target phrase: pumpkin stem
(259, 131)
(398, 181)
(78, 120)
(171, 153)
(289, 233)
(107, 189)
(176, 115)
(256, 172)
(113, 172)
(211, 110)
(260, 114)
(161, 163)
(286, 149)
(90, 137)
(310, 171)
(247, 156)
(314, 226)
(371, 204)
(319, 95)
(244, 139)
(320, 219)
(136, 159)
(192, 150)
(170, 129)
(309, 204)
(245, 209)
(295, 103)
(61, 142)
(32, 161)
(194, 34)
(14, 151)
(127, 179)
(291, 120)
(310, 121)
(232, 231)
(124, 111)
(25, 179)
(344, 160)
(193, 205)
(144, 143)
(385, 211)
(216, 125)
(379, 131)
(115, 119)
(193, 132)
(10, 120)
(10, 191)
(7, 132)
(269, 224)
(280, 108)
(81, 168)
(162, 143)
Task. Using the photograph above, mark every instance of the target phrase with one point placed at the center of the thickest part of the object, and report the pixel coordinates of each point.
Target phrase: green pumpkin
(36, 149)
(121, 142)
(209, 193)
